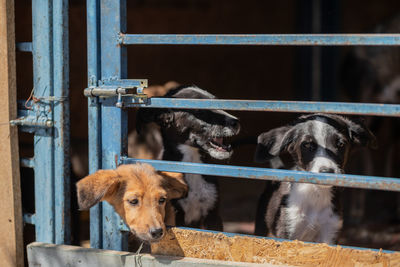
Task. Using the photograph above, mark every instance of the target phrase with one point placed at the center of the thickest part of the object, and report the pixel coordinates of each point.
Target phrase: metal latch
(135, 94)
(32, 121)
(137, 98)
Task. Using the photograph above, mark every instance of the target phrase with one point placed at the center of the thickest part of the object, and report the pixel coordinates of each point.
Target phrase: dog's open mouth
(218, 143)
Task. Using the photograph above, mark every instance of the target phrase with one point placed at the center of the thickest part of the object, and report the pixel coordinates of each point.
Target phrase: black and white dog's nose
(326, 170)
(156, 232)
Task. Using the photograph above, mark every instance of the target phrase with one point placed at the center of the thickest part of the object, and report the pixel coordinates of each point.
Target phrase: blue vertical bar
(96, 214)
(113, 120)
(61, 123)
(94, 114)
(42, 46)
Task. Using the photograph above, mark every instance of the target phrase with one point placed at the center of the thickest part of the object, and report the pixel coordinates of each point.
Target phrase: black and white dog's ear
(270, 144)
(360, 134)
(162, 117)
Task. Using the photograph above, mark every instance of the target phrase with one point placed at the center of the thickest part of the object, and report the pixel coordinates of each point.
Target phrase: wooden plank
(50, 255)
(11, 245)
(220, 246)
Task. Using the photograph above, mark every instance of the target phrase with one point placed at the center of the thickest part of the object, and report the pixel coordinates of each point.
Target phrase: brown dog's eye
(162, 200)
(133, 202)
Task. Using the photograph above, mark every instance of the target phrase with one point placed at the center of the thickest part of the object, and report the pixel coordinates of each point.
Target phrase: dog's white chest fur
(202, 195)
(310, 215)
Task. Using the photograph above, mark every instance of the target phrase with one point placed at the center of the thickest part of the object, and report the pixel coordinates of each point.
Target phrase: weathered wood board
(11, 246)
(218, 246)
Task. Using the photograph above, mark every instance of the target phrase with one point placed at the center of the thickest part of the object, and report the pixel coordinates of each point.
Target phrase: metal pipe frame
(42, 47)
(61, 122)
(51, 144)
(261, 39)
(108, 133)
(345, 180)
(108, 124)
(276, 106)
(94, 114)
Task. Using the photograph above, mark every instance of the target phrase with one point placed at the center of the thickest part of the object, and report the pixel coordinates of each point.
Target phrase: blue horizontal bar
(260, 39)
(344, 180)
(29, 218)
(27, 162)
(277, 106)
(24, 46)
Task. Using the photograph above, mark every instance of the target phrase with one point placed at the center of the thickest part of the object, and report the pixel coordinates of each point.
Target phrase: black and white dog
(193, 136)
(316, 143)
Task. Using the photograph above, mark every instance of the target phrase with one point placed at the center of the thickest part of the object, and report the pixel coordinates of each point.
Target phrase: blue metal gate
(109, 90)
(47, 115)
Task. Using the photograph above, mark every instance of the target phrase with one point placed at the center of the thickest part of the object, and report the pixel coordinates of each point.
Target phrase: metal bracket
(138, 98)
(30, 119)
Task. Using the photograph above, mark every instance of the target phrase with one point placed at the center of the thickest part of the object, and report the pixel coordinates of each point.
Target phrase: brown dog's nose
(156, 232)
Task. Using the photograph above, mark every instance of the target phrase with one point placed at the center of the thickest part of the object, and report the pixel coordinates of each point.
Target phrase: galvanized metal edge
(261, 39)
(344, 180)
(50, 255)
(266, 105)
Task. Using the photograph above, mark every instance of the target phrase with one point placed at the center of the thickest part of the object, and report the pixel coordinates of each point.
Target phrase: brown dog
(138, 193)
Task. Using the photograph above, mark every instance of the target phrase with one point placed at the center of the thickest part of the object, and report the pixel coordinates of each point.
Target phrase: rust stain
(116, 160)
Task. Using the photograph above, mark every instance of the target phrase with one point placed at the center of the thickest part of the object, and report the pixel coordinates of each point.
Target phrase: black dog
(316, 143)
(192, 136)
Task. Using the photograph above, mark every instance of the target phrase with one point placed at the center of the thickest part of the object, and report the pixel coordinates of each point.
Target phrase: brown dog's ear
(95, 187)
(174, 184)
